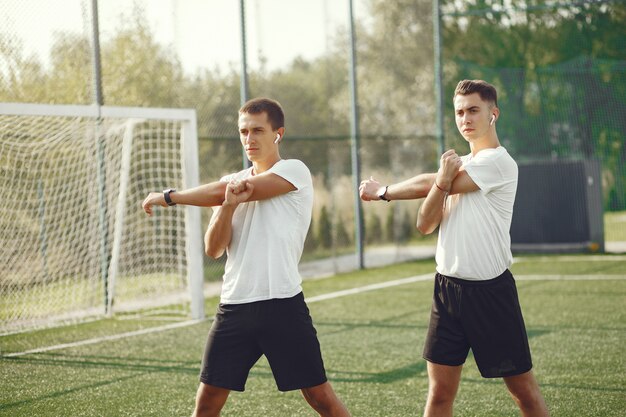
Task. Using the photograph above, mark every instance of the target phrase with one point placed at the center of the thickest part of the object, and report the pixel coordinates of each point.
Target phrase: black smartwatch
(166, 195)
(382, 193)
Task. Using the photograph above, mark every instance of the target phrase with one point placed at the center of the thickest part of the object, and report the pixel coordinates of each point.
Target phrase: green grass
(41, 302)
(371, 342)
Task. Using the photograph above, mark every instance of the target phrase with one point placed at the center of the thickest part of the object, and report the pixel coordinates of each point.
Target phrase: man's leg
(210, 400)
(526, 393)
(443, 383)
(323, 400)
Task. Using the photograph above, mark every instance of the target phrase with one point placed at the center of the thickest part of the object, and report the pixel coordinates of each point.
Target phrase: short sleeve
(294, 171)
(491, 169)
(246, 173)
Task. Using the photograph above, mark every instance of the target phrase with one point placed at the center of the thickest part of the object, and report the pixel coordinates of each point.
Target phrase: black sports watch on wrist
(166, 195)
(382, 193)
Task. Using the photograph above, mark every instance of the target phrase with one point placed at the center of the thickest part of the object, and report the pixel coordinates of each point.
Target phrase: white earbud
(493, 119)
(277, 138)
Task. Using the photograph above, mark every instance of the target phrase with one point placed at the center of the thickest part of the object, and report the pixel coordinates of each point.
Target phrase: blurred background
(559, 66)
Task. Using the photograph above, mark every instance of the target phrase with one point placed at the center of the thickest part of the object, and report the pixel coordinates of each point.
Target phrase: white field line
(104, 338)
(570, 258)
(370, 287)
(570, 277)
(322, 297)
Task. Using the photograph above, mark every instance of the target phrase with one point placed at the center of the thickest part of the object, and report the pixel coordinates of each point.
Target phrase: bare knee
(443, 383)
(210, 400)
(323, 400)
(528, 399)
(526, 393)
(441, 393)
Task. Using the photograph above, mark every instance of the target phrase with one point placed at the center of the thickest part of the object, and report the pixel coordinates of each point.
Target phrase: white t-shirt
(268, 238)
(474, 241)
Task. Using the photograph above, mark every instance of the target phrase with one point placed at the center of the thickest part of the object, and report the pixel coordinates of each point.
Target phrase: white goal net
(74, 240)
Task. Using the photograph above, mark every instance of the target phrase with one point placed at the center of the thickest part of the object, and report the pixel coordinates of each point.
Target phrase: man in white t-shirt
(475, 302)
(261, 217)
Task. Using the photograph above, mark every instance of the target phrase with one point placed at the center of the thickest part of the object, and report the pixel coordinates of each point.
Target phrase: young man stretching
(262, 217)
(475, 302)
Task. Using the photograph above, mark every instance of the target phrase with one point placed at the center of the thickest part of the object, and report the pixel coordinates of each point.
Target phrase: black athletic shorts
(280, 329)
(484, 316)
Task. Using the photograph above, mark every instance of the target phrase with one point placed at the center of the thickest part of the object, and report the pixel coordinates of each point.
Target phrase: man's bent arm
(260, 187)
(268, 185)
(219, 232)
(431, 211)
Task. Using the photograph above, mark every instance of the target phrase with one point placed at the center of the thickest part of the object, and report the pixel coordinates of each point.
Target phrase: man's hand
(153, 199)
(237, 192)
(368, 190)
(450, 164)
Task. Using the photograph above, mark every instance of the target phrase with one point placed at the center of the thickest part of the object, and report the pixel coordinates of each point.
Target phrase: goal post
(72, 232)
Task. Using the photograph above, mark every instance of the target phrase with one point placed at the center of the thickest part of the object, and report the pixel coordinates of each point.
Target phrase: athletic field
(371, 326)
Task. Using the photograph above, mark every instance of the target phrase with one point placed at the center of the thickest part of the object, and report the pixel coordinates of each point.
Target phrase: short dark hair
(272, 108)
(486, 91)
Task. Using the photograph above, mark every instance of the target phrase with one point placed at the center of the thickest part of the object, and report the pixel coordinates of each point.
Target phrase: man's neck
(259, 167)
(487, 142)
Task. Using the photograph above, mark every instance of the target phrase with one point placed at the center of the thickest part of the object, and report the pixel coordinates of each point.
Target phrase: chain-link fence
(188, 54)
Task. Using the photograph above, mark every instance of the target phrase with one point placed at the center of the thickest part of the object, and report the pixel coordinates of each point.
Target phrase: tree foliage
(560, 73)
(559, 69)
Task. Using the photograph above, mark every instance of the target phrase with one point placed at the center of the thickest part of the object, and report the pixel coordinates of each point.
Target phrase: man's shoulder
(292, 163)
(496, 155)
(239, 175)
(294, 171)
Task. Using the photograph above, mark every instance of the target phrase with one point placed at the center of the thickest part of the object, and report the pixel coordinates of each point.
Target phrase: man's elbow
(213, 253)
(424, 227)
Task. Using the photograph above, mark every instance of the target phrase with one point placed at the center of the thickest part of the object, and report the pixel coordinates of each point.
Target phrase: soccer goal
(74, 240)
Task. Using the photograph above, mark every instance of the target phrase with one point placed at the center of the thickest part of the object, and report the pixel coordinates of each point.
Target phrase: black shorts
(484, 316)
(280, 329)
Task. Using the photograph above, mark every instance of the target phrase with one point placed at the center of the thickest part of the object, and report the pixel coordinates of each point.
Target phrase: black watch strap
(382, 194)
(168, 198)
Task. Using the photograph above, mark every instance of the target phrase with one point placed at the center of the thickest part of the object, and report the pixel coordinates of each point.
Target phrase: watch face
(168, 199)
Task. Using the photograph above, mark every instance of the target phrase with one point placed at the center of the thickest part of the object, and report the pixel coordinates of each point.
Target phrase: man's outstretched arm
(267, 185)
(207, 195)
(410, 189)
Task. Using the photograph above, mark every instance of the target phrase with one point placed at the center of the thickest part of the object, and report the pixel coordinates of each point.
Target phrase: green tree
(559, 69)
(138, 71)
(373, 229)
(324, 229)
(343, 237)
(395, 61)
(310, 243)
(70, 77)
(25, 79)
